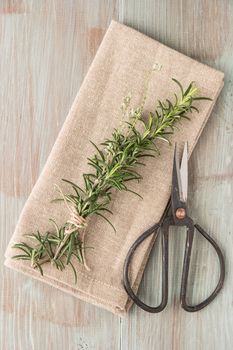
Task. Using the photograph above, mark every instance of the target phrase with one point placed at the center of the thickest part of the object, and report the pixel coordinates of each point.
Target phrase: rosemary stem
(61, 245)
(44, 260)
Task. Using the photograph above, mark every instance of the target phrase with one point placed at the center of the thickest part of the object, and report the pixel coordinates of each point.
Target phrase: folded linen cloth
(120, 66)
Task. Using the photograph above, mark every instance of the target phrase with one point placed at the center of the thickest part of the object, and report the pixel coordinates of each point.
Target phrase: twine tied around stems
(75, 223)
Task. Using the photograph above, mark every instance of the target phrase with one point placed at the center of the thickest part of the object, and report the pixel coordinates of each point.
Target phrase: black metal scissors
(176, 215)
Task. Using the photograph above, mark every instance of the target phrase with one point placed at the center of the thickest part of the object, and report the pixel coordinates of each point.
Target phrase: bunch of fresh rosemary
(113, 166)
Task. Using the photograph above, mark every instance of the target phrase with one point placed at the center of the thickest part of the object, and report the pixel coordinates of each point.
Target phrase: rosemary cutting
(113, 166)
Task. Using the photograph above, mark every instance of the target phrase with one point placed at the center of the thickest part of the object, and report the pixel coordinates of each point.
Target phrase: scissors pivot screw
(180, 213)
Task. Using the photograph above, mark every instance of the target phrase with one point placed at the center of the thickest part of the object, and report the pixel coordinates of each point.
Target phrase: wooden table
(46, 48)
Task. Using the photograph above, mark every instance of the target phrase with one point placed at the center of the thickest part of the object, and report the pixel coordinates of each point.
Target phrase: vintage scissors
(175, 215)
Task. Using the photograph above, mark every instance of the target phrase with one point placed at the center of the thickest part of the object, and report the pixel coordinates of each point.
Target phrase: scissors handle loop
(126, 281)
(186, 264)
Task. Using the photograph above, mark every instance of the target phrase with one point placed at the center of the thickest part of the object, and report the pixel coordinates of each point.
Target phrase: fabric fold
(119, 67)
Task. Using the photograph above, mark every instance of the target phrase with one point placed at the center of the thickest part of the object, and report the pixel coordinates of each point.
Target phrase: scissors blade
(183, 189)
(176, 179)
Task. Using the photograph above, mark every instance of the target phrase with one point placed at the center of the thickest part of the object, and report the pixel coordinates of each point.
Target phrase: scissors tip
(185, 153)
(175, 160)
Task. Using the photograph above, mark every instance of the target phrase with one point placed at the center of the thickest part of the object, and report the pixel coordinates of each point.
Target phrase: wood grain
(46, 48)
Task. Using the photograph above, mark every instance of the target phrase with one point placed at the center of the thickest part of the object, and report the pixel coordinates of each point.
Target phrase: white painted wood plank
(46, 48)
(200, 29)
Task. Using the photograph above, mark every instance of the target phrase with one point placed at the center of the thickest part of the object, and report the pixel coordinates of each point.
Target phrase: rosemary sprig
(113, 166)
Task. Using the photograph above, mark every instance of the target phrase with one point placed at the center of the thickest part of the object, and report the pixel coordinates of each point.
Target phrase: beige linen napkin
(120, 66)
